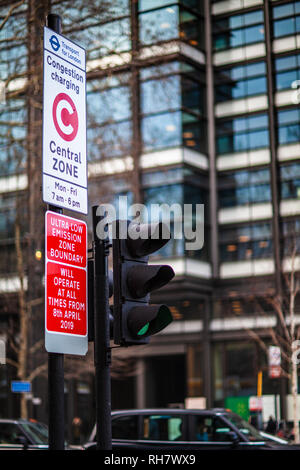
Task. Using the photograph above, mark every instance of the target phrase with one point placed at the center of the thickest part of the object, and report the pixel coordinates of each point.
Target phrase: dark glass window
(288, 126)
(172, 22)
(100, 29)
(287, 71)
(243, 133)
(178, 194)
(172, 106)
(159, 25)
(167, 194)
(111, 140)
(13, 41)
(192, 95)
(286, 19)
(161, 95)
(108, 105)
(110, 38)
(239, 369)
(291, 236)
(125, 427)
(109, 117)
(291, 227)
(162, 131)
(290, 181)
(241, 81)
(246, 242)
(8, 258)
(9, 204)
(283, 10)
(9, 433)
(161, 177)
(238, 30)
(145, 5)
(12, 136)
(244, 187)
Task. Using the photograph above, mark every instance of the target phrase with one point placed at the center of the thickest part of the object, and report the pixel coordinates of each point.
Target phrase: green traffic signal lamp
(146, 321)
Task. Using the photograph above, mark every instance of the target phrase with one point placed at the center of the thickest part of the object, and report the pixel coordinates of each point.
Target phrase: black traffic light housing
(134, 319)
(91, 301)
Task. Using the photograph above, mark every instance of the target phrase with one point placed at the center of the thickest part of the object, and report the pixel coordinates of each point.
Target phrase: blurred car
(174, 429)
(20, 434)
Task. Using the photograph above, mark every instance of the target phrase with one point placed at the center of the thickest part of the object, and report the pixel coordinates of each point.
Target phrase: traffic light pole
(55, 360)
(102, 351)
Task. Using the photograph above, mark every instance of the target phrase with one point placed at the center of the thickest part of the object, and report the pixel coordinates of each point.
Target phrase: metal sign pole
(102, 352)
(55, 360)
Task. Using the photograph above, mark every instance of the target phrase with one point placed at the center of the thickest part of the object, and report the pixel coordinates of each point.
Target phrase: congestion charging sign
(66, 285)
(64, 123)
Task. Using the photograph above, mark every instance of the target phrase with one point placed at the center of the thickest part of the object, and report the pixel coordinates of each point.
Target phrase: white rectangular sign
(64, 123)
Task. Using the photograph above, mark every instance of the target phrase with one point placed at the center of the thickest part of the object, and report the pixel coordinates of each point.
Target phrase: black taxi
(186, 429)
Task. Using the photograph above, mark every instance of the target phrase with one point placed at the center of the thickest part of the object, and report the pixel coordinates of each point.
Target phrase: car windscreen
(37, 432)
(249, 431)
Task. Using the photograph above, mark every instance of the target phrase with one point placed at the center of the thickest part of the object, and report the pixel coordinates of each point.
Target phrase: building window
(242, 133)
(145, 5)
(9, 204)
(240, 369)
(12, 137)
(101, 30)
(288, 126)
(234, 373)
(238, 30)
(291, 237)
(13, 46)
(246, 242)
(286, 19)
(287, 71)
(109, 99)
(167, 23)
(290, 181)
(158, 95)
(241, 81)
(194, 370)
(244, 187)
(178, 194)
(162, 131)
(172, 107)
(109, 117)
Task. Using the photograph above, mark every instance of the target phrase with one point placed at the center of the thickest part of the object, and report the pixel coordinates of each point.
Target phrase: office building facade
(189, 102)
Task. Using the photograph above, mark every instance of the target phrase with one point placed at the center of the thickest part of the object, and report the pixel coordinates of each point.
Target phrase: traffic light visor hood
(146, 321)
(144, 278)
(152, 238)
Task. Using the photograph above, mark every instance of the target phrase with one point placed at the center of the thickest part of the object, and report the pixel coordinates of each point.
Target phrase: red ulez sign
(66, 299)
(66, 275)
(66, 240)
(274, 372)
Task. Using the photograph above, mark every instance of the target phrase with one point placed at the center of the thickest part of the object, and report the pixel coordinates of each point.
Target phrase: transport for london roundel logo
(65, 117)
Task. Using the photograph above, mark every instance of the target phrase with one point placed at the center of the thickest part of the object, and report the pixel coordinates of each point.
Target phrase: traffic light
(134, 319)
